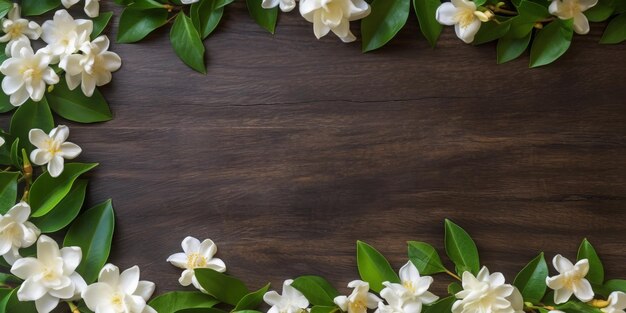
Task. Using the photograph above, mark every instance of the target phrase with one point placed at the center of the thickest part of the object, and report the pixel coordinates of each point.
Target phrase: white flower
(463, 15)
(410, 294)
(119, 293)
(92, 7)
(285, 5)
(17, 29)
(27, 74)
(196, 255)
(333, 15)
(92, 68)
(52, 148)
(360, 299)
(573, 9)
(571, 280)
(16, 232)
(291, 301)
(49, 277)
(617, 303)
(64, 35)
(486, 293)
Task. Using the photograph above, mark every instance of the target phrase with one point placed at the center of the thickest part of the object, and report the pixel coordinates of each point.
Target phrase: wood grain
(291, 149)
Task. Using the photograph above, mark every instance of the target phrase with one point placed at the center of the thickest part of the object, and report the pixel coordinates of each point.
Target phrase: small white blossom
(119, 293)
(17, 29)
(52, 149)
(617, 303)
(16, 232)
(573, 9)
(196, 255)
(334, 15)
(463, 15)
(27, 74)
(359, 300)
(92, 68)
(49, 277)
(486, 293)
(571, 280)
(291, 301)
(92, 7)
(285, 5)
(64, 35)
(410, 294)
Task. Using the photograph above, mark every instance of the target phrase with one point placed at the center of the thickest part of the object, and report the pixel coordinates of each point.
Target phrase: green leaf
(454, 288)
(75, 106)
(425, 258)
(600, 12)
(205, 15)
(426, 16)
(491, 31)
(65, 212)
(596, 269)
(8, 279)
(201, 310)
(100, 23)
(38, 7)
(187, 43)
(325, 309)
(5, 294)
(5, 103)
(373, 267)
(93, 233)
(384, 22)
(615, 285)
(16, 305)
(461, 249)
(8, 190)
(252, 300)
(136, 24)
(551, 42)
(442, 306)
(175, 301)
(224, 288)
(531, 280)
(266, 18)
(5, 7)
(577, 307)
(28, 116)
(48, 191)
(15, 154)
(317, 290)
(616, 31)
(510, 48)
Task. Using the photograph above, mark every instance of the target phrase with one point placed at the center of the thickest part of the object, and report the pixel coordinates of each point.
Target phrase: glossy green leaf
(384, 22)
(599, 12)
(252, 300)
(93, 233)
(175, 301)
(75, 106)
(454, 288)
(14, 305)
(5, 7)
(15, 154)
(65, 212)
(5, 295)
(135, 23)
(425, 258)
(205, 15)
(373, 267)
(596, 269)
(187, 43)
(491, 31)
(577, 307)
(442, 306)
(28, 116)
(9, 279)
(8, 190)
(316, 289)
(46, 192)
(510, 48)
(325, 309)
(38, 7)
(616, 31)
(266, 18)
(551, 42)
(425, 11)
(5, 103)
(615, 285)
(100, 23)
(461, 249)
(224, 288)
(531, 280)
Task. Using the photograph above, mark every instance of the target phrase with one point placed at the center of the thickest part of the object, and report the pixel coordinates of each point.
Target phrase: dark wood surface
(291, 149)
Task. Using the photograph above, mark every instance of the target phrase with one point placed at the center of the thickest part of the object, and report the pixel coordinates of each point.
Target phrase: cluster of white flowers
(467, 17)
(28, 73)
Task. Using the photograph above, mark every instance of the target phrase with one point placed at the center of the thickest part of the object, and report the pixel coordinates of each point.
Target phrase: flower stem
(73, 307)
(455, 276)
(28, 175)
(497, 9)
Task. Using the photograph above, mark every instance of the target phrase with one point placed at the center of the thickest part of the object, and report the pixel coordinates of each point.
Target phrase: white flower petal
(145, 289)
(190, 245)
(31, 290)
(46, 304)
(71, 259)
(70, 150)
(55, 166)
(129, 279)
(446, 14)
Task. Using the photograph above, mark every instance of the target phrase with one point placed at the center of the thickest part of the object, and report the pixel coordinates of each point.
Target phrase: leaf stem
(28, 175)
(497, 9)
(455, 276)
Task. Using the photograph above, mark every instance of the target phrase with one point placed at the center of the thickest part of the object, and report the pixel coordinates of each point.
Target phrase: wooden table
(291, 149)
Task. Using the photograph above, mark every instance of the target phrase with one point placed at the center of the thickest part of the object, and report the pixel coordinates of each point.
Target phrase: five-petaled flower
(359, 300)
(285, 5)
(92, 7)
(119, 293)
(573, 9)
(65, 35)
(49, 277)
(16, 232)
(334, 15)
(486, 293)
(196, 255)
(291, 301)
(52, 148)
(410, 294)
(17, 29)
(463, 15)
(571, 280)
